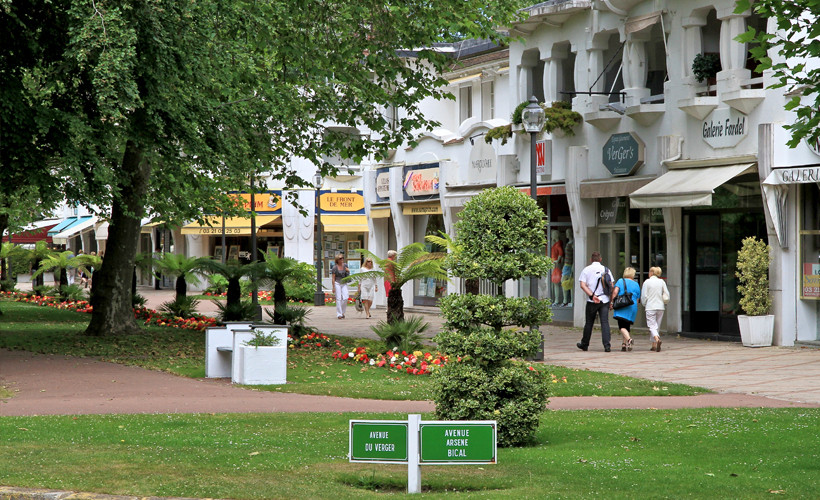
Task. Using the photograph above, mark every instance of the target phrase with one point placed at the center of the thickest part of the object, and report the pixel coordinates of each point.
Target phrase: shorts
(625, 324)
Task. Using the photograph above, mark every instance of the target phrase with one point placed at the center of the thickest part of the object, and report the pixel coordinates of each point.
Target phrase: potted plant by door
(705, 67)
(757, 325)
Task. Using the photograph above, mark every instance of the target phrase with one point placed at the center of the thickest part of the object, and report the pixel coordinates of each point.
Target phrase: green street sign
(379, 441)
(458, 442)
(623, 153)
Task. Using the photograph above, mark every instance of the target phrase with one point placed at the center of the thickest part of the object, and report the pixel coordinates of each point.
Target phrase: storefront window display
(427, 291)
(810, 242)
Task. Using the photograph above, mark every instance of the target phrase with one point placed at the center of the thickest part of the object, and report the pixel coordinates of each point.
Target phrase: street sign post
(415, 443)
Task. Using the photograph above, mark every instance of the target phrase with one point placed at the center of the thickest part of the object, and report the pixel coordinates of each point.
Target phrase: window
(465, 103)
(809, 242)
(487, 98)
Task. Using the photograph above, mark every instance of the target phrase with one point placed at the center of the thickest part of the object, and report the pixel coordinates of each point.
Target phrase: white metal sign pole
(413, 468)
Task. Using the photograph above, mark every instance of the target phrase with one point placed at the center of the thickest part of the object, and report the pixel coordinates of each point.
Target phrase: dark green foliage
(302, 287)
(73, 292)
(705, 66)
(500, 237)
(404, 334)
(509, 393)
(217, 284)
(184, 307)
(466, 311)
(240, 310)
(294, 316)
(138, 300)
(558, 116)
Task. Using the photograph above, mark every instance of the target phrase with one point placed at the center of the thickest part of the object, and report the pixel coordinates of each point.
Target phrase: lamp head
(533, 116)
(318, 180)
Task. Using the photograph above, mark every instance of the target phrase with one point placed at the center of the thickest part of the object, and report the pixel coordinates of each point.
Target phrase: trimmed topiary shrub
(753, 261)
(500, 236)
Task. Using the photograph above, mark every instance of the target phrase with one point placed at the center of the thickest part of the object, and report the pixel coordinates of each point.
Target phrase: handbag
(358, 302)
(623, 299)
(665, 298)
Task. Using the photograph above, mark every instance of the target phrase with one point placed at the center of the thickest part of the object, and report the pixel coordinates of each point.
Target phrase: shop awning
(101, 231)
(687, 187)
(77, 227)
(33, 233)
(234, 226)
(62, 225)
(379, 213)
(345, 223)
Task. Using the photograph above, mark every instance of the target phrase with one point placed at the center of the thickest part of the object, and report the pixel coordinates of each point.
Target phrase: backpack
(605, 282)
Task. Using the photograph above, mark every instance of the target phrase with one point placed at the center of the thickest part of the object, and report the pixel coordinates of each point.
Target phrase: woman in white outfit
(368, 287)
(654, 296)
(339, 272)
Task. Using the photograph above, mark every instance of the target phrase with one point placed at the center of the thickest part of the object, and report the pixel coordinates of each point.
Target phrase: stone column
(635, 68)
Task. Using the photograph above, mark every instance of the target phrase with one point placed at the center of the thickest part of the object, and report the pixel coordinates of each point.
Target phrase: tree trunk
(280, 300)
(234, 295)
(111, 294)
(181, 288)
(395, 305)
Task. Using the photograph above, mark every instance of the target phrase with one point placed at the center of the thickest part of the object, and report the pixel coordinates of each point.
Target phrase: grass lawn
(693, 453)
(310, 371)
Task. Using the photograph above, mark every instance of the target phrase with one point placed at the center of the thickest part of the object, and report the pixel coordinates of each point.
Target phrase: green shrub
(243, 310)
(262, 339)
(74, 292)
(138, 300)
(403, 334)
(217, 284)
(500, 237)
(302, 287)
(7, 285)
(184, 307)
(295, 317)
(753, 275)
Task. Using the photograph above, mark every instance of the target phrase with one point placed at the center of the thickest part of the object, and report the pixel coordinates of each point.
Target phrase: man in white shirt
(597, 301)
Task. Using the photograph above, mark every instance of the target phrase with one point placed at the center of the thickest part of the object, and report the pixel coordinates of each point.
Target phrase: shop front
(206, 238)
(345, 230)
(421, 207)
(718, 206)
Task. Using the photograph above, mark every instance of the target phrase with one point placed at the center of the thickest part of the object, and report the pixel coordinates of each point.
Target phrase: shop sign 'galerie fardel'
(724, 128)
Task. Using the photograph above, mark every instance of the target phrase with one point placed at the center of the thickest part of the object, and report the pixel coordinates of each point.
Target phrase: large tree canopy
(169, 104)
(792, 53)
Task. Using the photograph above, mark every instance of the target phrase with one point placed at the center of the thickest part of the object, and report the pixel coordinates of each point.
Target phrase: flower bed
(148, 316)
(413, 363)
(313, 340)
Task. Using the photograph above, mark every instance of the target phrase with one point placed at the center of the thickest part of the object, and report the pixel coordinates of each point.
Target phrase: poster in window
(273, 249)
(218, 253)
(353, 247)
(422, 287)
(354, 266)
(431, 287)
(811, 280)
(233, 252)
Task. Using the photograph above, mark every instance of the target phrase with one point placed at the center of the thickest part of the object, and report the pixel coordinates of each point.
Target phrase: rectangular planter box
(262, 365)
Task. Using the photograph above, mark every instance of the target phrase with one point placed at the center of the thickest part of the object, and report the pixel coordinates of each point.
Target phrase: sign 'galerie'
(724, 128)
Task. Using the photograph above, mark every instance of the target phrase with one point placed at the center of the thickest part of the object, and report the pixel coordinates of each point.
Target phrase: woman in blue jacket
(626, 315)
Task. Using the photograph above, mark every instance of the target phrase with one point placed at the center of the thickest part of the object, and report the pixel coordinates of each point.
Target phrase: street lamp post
(533, 119)
(319, 297)
(255, 294)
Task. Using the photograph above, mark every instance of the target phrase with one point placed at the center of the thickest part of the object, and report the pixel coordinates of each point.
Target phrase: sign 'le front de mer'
(623, 153)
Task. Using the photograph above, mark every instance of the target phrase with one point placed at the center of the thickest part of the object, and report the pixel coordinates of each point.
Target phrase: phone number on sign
(218, 230)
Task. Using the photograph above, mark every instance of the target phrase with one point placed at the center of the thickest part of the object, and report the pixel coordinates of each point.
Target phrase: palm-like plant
(279, 270)
(233, 271)
(40, 252)
(412, 262)
(9, 251)
(184, 269)
(88, 263)
(452, 258)
(58, 262)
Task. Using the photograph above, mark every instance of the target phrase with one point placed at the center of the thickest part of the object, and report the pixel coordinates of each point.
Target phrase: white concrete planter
(756, 331)
(262, 365)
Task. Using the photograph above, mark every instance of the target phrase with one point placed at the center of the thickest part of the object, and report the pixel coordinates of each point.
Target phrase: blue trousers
(593, 309)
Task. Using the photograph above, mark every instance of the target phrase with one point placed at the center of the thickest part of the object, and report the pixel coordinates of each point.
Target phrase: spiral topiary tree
(500, 237)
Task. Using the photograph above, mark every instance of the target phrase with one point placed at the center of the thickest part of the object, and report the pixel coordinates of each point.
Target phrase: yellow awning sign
(345, 223)
(234, 226)
(341, 202)
(421, 208)
(379, 213)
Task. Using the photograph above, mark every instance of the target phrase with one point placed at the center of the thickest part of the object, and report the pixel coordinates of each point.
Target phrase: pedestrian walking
(654, 297)
(389, 272)
(339, 272)
(596, 282)
(367, 288)
(626, 315)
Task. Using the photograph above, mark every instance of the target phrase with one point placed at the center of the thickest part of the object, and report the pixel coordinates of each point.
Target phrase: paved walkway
(773, 376)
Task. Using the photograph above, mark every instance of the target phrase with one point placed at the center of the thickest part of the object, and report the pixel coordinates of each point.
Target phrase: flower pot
(262, 365)
(756, 331)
